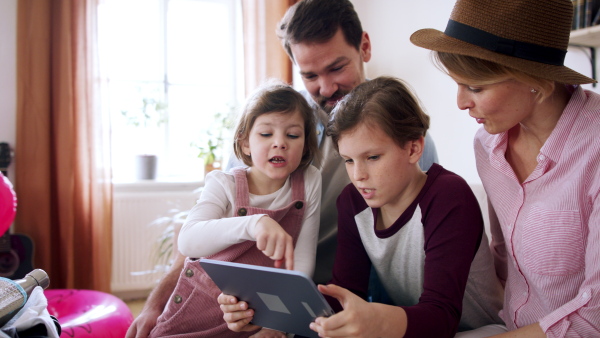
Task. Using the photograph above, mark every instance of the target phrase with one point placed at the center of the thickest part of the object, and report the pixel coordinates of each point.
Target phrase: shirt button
(299, 205)
(177, 299)
(189, 272)
(585, 295)
(541, 158)
(242, 212)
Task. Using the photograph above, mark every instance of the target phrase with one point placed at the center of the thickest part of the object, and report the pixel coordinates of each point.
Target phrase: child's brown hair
(385, 102)
(277, 97)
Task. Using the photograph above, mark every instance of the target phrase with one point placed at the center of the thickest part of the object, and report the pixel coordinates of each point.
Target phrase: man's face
(331, 69)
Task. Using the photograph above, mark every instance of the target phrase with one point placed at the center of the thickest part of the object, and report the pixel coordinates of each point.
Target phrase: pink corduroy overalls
(192, 310)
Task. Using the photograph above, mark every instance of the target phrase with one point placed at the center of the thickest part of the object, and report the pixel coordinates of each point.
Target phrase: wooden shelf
(586, 37)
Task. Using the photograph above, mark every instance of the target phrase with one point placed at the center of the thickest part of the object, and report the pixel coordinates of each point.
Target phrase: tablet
(282, 300)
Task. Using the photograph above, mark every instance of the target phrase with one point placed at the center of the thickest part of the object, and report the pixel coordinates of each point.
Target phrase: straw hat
(528, 35)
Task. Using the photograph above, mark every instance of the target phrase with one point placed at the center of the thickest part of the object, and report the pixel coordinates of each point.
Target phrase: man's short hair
(317, 21)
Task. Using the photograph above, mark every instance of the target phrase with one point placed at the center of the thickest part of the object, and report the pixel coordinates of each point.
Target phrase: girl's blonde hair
(277, 97)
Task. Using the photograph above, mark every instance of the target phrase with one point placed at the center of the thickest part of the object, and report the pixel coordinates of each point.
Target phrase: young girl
(266, 214)
(422, 232)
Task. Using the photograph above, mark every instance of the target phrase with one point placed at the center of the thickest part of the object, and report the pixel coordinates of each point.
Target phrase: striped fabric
(550, 224)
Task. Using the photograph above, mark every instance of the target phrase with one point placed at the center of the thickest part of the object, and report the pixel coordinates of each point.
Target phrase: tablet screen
(282, 300)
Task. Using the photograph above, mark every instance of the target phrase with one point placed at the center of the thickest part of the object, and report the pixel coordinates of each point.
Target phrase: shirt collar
(554, 145)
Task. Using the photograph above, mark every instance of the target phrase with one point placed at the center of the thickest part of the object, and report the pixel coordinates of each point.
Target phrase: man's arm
(157, 300)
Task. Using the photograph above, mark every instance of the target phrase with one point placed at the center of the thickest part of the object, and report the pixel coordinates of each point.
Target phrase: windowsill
(156, 185)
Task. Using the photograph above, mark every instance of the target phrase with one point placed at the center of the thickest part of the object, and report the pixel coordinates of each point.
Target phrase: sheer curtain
(62, 170)
(264, 56)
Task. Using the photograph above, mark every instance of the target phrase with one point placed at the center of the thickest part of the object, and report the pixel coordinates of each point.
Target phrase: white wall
(8, 65)
(390, 24)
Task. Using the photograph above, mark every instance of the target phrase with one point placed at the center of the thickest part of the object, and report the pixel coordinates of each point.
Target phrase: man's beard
(322, 100)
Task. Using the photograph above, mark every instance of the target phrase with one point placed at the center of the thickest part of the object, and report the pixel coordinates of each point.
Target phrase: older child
(266, 214)
(422, 232)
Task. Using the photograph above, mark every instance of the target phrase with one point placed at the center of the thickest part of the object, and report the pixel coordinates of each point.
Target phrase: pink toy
(8, 204)
(88, 313)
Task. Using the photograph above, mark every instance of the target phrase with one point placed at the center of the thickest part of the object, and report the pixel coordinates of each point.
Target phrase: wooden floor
(136, 306)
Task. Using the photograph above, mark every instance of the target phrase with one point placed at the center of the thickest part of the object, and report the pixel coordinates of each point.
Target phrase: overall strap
(242, 194)
(297, 180)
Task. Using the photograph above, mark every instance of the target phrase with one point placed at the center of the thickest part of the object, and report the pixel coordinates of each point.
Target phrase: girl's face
(499, 106)
(276, 145)
(382, 171)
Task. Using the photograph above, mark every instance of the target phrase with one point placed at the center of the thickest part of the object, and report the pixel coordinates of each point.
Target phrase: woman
(538, 156)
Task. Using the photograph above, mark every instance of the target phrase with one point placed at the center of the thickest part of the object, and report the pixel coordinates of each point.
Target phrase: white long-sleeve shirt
(213, 225)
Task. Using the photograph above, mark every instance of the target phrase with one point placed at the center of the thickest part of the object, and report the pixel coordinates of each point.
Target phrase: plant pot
(145, 166)
(216, 165)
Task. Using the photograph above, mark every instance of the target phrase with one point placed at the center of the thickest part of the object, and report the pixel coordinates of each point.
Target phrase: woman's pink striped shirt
(549, 246)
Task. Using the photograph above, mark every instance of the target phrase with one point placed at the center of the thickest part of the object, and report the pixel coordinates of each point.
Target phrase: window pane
(199, 39)
(173, 61)
(131, 39)
(192, 114)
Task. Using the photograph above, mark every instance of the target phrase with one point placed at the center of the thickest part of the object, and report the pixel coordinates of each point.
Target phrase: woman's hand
(275, 242)
(359, 318)
(236, 314)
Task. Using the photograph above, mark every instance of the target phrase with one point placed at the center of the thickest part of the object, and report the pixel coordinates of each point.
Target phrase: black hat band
(519, 49)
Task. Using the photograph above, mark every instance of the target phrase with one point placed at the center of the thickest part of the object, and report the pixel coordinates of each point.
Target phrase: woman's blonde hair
(482, 72)
(276, 97)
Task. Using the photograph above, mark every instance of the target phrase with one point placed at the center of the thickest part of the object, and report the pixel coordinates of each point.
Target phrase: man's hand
(275, 242)
(144, 323)
(156, 301)
(359, 318)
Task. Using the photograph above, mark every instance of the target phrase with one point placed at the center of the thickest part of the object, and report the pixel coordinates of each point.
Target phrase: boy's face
(276, 145)
(331, 69)
(384, 173)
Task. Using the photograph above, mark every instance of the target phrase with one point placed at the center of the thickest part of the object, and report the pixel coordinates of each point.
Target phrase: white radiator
(136, 231)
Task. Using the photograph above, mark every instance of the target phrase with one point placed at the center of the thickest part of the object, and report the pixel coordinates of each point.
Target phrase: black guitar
(16, 251)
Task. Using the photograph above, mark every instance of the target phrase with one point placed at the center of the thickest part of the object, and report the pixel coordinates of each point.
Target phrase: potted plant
(165, 245)
(211, 148)
(148, 120)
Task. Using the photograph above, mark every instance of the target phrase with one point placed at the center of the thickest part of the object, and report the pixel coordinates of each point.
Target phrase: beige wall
(390, 24)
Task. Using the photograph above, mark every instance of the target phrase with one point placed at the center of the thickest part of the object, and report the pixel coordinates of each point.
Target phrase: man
(326, 41)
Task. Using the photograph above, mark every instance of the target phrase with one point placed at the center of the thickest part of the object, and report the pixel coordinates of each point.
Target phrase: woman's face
(498, 106)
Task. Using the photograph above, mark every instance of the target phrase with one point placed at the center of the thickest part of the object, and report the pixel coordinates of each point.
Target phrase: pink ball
(8, 204)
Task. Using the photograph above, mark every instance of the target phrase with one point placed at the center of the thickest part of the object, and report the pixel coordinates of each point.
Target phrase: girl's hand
(236, 314)
(274, 242)
(359, 318)
(268, 333)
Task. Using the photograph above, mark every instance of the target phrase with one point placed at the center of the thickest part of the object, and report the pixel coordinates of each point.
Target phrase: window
(170, 67)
